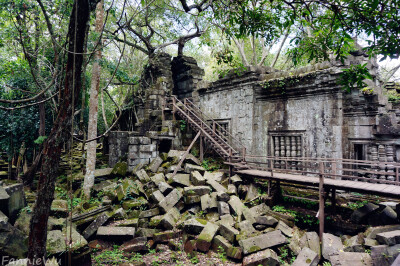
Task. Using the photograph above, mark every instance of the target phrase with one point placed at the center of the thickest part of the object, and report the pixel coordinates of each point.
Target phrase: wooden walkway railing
(338, 169)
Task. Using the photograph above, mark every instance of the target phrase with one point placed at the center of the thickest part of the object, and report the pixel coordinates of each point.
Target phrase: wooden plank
(365, 187)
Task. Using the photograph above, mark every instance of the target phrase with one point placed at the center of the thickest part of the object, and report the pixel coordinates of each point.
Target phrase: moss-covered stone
(120, 169)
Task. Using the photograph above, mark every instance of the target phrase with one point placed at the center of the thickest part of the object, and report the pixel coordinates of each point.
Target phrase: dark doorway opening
(359, 153)
(165, 145)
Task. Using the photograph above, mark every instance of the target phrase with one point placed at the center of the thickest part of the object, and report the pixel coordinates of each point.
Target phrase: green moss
(205, 237)
(203, 222)
(254, 249)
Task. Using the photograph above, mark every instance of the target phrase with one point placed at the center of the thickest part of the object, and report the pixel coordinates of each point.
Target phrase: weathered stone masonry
(304, 113)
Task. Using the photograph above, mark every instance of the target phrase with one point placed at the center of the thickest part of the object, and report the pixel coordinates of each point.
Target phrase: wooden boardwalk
(357, 186)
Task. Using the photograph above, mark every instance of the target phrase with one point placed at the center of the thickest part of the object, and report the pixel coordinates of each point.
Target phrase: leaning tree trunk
(93, 107)
(59, 134)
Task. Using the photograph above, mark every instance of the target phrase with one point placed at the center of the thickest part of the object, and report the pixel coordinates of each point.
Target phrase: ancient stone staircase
(215, 136)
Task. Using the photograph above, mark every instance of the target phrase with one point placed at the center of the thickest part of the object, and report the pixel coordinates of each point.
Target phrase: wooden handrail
(213, 121)
(200, 128)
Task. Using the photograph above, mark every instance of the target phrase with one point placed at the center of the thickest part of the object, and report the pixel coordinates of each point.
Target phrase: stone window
(223, 127)
(286, 146)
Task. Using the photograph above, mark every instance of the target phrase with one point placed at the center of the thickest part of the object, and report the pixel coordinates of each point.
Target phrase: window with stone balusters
(286, 146)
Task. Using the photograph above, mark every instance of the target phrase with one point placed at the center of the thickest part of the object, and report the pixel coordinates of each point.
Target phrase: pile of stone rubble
(207, 211)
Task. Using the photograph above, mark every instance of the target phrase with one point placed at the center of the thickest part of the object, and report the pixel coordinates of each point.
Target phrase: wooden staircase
(220, 140)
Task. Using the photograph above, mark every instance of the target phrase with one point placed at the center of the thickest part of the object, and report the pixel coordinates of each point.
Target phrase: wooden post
(185, 154)
(201, 147)
(321, 212)
(214, 126)
(397, 174)
(244, 154)
(334, 170)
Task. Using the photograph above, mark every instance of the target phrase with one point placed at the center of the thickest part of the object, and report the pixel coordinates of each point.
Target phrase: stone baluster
(298, 149)
(283, 154)
(374, 158)
(390, 159)
(277, 153)
(293, 151)
(382, 160)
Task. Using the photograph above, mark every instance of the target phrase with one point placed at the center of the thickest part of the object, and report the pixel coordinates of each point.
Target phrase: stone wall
(305, 112)
(231, 101)
(186, 75)
(132, 147)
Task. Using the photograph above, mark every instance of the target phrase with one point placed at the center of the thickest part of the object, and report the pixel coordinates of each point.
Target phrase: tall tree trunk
(93, 107)
(42, 119)
(240, 46)
(59, 134)
(280, 47)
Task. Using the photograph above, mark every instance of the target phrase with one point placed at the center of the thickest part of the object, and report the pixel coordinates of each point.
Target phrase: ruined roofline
(263, 74)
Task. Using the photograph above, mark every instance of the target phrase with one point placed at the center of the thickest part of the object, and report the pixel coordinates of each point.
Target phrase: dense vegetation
(47, 55)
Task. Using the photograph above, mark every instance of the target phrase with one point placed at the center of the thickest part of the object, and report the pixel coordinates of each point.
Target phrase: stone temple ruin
(303, 113)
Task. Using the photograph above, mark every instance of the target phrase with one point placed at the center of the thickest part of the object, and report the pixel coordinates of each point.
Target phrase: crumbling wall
(186, 75)
(305, 112)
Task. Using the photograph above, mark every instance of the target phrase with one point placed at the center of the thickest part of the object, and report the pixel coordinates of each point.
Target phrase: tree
(161, 24)
(93, 107)
(60, 132)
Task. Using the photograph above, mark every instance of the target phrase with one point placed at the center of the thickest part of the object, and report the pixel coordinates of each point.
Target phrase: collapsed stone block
(197, 179)
(170, 218)
(216, 176)
(164, 188)
(232, 189)
(266, 220)
(223, 196)
(389, 238)
(116, 232)
(216, 186)
(362, 213)
(166, 236)
(373, 231)
(228, 232)
(351, 258)
(261, 242)
(170, 200)
(181, 180)
(306, 257)
(206, 236)
(219, 242)
(135, 245)
(208, 201)
(143, 176)
(191, 167)
(92, 228)
(223, 208)
(194, 226)
(153, 166)
(265, 257)
(285, 229)
(197, 190)
(331, 245)
(237, 205)
(149, 213)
